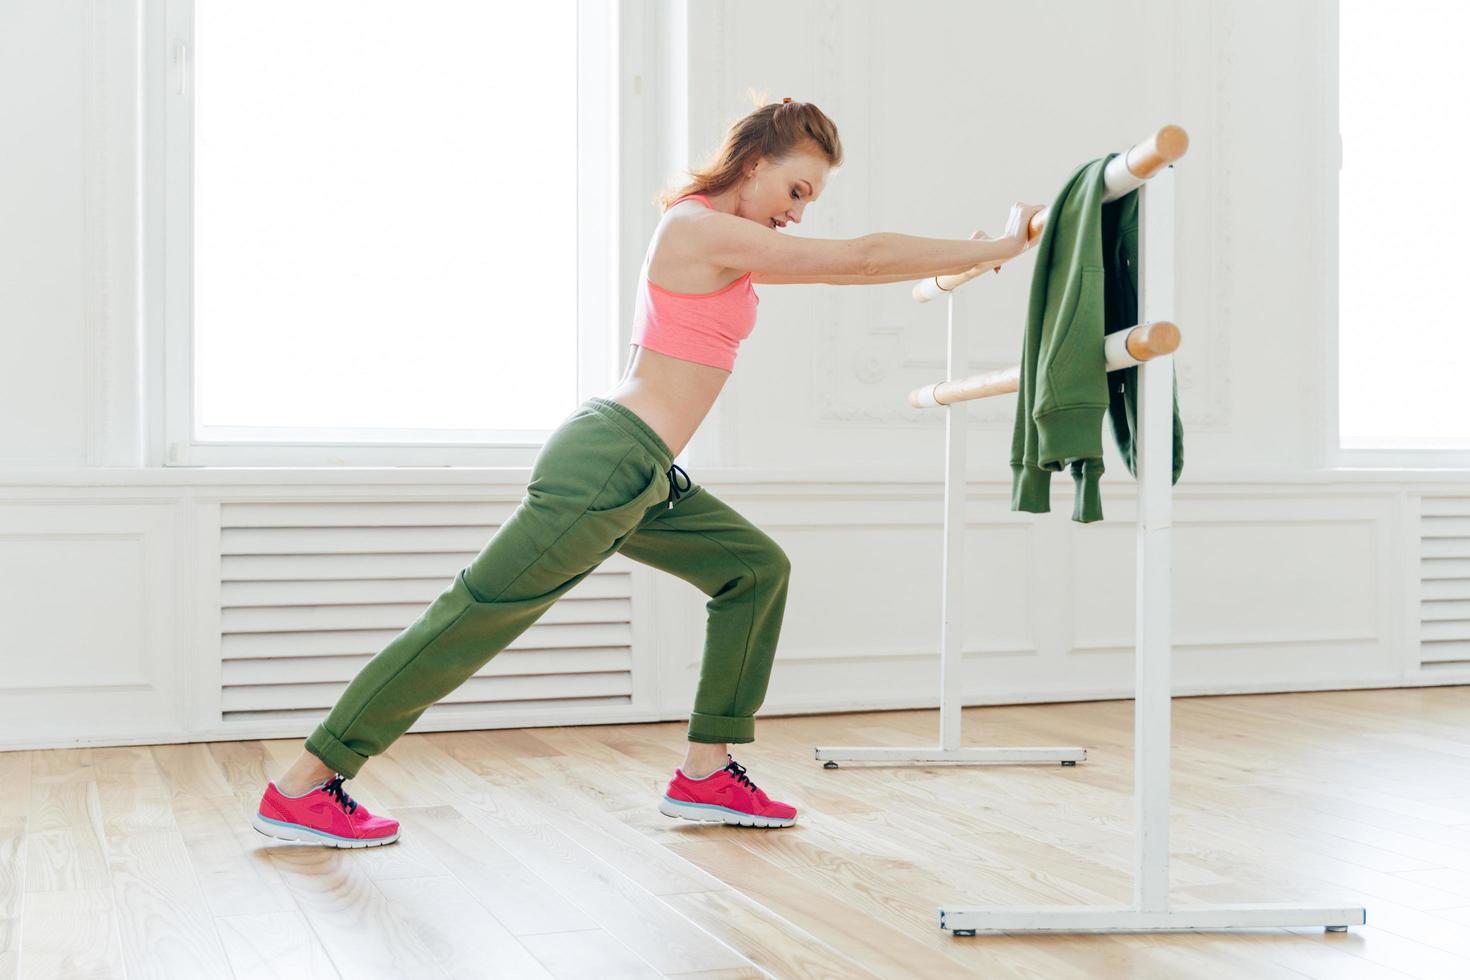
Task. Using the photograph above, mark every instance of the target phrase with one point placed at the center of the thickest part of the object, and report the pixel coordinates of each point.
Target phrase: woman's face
(776, 193)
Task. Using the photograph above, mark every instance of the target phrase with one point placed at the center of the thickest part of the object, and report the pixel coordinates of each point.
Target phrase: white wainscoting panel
(90, 615)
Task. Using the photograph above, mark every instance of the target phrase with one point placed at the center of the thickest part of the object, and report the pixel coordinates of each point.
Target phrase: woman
(605, 482)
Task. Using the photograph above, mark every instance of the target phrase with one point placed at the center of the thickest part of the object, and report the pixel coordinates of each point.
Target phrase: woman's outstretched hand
(1018, 229)
(1018, 225)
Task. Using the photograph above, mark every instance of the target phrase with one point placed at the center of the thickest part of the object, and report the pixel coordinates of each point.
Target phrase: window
(385, 235)
(1403, 337)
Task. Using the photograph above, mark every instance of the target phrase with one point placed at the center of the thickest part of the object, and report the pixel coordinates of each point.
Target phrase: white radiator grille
(1444, 584)
(310, 592)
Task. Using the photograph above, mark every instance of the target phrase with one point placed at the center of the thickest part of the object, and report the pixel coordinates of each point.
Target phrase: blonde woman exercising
(605, 482)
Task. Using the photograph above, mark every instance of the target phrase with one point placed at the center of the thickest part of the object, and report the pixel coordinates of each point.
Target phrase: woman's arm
(911, 257)
(738, 243)
(778, 279)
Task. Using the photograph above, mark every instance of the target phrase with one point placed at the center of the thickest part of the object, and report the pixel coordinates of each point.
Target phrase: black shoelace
(674, 488)
(334, 787)
(738, 771)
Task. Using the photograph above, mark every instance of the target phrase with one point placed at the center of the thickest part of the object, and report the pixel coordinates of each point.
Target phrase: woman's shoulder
(686, 224)
(678, 262)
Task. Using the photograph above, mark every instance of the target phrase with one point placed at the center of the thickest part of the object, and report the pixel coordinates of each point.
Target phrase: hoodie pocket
(1076, 351)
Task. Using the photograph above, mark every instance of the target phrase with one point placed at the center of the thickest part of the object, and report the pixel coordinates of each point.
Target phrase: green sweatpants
(603, 483)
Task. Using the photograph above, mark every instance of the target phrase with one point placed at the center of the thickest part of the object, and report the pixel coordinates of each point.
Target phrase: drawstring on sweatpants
(674, 488)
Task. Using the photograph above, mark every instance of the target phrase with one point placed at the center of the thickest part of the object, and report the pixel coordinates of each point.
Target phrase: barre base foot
(1066, 755)
(1064, 918)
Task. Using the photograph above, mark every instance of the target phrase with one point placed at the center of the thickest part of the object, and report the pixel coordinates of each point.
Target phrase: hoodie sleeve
(1071, 384)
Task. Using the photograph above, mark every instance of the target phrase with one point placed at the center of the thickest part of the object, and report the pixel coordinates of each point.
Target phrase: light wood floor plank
(588, 953)
(765, 938)
(463, 935)
(269, 945)
(595, 893)
(163, 919)
(70, 933)
(359, 928)
(64, 846)
(15, 804)
(518, 898)
(877, 944)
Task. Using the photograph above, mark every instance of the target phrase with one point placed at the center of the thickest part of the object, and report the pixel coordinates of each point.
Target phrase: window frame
(168, 261)
(1335, 455)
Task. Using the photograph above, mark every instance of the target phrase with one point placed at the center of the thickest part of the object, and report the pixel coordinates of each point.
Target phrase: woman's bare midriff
(672, 395)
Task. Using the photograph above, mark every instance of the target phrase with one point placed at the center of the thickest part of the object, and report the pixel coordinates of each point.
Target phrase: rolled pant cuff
(325, 746)
(719, 728)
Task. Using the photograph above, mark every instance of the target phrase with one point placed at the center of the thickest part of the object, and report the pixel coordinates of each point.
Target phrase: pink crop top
(705, 328)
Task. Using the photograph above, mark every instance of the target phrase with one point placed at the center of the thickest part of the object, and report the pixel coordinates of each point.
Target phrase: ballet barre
(1147, 158)
(1124, 173)
(1124, 348)
(1149, 346)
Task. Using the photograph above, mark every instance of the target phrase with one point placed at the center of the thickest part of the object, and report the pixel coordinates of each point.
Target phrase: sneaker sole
(710, 813)
(305, 835)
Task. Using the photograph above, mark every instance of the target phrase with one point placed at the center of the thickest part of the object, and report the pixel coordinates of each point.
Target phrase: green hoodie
(1084, 286)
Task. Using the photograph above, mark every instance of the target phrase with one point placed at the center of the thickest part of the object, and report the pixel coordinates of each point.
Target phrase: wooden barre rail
(1123, 348)
(1126, 172)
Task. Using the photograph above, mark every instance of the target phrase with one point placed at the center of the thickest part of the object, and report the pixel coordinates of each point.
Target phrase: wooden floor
(539, 852)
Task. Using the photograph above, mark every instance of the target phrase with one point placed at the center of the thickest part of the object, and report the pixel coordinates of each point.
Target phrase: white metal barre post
(1151, 910)
(951, 619)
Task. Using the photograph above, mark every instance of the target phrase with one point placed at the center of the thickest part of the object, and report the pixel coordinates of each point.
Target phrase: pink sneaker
(325, 816)
(726, 796)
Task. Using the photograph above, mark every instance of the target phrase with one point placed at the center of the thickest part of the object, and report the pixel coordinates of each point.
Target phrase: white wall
(1286, 576)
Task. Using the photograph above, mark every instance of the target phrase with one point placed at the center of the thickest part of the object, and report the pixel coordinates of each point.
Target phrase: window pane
(1403, 337)
(385, 214)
